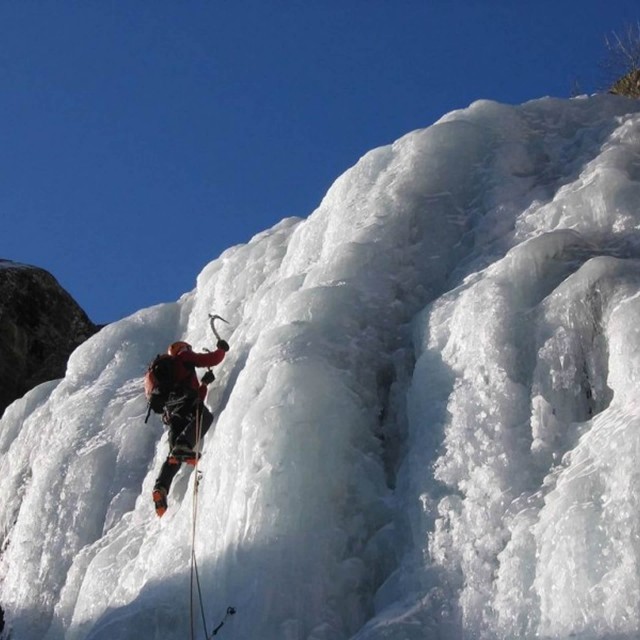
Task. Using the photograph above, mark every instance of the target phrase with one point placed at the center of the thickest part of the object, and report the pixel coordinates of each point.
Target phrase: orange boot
(160, 500)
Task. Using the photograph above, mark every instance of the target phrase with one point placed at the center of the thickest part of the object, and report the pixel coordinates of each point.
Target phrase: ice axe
(208, 377)
(212, 322)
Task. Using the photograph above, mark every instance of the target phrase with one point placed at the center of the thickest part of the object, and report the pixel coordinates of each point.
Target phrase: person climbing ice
(173, 389)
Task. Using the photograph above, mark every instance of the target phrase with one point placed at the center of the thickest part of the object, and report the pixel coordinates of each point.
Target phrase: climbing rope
(195, 576)
(194, 513)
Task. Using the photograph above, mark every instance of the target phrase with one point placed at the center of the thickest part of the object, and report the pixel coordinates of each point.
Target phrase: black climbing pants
(182, 416)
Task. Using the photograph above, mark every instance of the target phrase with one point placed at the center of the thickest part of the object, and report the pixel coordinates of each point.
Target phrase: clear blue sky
(141, 138)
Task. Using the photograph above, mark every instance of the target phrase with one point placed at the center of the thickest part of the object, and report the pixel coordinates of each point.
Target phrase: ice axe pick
(212, 322)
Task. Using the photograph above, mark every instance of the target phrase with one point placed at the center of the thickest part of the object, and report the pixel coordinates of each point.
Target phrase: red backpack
(159, 382)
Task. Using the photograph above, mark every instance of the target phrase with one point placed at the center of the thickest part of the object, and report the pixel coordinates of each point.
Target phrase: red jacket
(186, 363)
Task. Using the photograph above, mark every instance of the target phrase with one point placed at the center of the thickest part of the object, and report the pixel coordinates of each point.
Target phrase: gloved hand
(223, 344)
(208, 377)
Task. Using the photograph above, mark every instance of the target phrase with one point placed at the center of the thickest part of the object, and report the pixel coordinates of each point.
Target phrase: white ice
(427, 425)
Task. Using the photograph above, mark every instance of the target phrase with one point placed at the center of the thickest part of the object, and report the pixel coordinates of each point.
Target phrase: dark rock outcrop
(40, 325)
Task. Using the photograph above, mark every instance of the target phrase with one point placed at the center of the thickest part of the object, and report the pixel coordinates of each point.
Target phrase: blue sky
(139, 139)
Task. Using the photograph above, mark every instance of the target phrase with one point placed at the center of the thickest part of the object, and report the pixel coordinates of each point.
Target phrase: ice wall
(425, 425)
(521, 479)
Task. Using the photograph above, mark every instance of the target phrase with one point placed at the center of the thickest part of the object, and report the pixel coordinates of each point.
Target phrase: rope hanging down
(195, 576)
(194, 510)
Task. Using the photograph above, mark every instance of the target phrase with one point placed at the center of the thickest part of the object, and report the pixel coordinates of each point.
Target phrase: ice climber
(184, 412)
